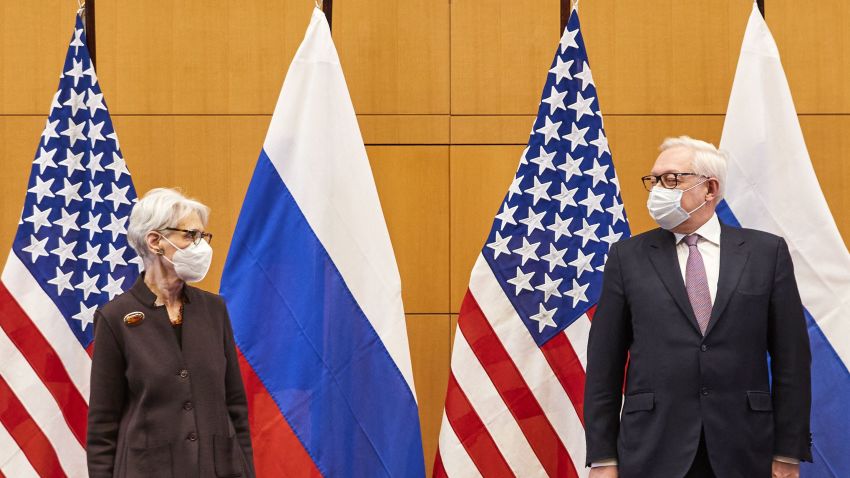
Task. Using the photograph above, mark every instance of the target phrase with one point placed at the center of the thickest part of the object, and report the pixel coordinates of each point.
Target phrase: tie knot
(691, 240)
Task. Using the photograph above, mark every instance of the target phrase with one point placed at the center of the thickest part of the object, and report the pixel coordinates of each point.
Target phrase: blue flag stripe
(830, 396)
(311, 344)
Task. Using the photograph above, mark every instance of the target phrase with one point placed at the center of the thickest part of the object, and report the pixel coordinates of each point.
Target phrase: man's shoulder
(659, 236)
(753, 236)
(638, 241)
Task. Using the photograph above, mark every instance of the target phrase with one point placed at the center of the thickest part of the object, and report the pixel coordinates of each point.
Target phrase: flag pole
(565, 14)
(87, 7)
(327, 8)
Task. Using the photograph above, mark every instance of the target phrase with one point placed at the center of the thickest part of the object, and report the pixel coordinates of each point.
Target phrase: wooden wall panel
(828, 142)
(814, 44)
(501, 51)
(413, 187)
(395, 54)
(514, 129)
(210, 157)
(664, 56)
(35, 37)
(197, 56)
(479, 179)
(656, 56)
(429, 354)
(404, 129)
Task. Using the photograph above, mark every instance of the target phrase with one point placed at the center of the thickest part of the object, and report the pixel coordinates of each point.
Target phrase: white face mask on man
(665, 206)
(192, 262)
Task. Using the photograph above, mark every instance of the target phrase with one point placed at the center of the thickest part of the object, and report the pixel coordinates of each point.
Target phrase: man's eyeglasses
(193, 234)
(667, 180)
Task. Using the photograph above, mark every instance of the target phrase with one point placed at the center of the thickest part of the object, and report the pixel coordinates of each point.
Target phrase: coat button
(183, 373)
(703, 347)
(704, 391)
(192, 436)
(188, 406)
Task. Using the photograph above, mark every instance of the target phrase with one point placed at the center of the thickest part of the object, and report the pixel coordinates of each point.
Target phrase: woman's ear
(152, 241)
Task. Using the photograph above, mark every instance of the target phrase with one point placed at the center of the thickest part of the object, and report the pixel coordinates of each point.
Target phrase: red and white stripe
(512, 408)
(44, 382)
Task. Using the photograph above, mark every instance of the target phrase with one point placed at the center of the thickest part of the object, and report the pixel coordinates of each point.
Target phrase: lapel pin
(134, 318)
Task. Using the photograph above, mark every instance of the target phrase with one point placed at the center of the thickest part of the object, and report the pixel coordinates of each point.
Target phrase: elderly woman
(166, 394)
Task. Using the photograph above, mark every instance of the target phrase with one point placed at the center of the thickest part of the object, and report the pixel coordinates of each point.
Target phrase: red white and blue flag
(514, 405)
(70, 255)
(314, 293)
(772, 186)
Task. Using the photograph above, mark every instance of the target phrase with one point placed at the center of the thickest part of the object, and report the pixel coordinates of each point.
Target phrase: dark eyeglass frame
(195, 235)
(664, 180)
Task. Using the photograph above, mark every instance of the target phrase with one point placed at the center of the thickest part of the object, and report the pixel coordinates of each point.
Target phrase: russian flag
(772, 186)
(314, 293)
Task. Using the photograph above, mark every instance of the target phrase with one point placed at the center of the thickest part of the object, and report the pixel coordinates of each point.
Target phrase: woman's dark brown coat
(157, 410)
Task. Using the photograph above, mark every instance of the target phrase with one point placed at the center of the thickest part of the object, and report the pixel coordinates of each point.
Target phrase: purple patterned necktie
(697, 284)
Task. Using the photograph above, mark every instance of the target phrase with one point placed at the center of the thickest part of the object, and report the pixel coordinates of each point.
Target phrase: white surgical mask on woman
(192, 262)
(665, 206)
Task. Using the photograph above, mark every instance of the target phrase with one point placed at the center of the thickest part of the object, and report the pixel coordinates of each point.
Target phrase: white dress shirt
(708, 245)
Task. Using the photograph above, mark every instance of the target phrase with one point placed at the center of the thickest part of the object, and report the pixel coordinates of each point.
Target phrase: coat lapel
(733, 259)
(662, 254)
(192, 330)
(158, 317)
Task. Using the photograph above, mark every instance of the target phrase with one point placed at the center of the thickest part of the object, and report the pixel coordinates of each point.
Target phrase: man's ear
(713, 189)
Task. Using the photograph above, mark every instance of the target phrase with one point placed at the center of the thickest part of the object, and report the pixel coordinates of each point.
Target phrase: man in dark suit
(688, 315)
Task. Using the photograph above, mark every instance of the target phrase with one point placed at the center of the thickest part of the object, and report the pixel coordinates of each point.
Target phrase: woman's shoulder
(124, 303)
(210, 299)
(125, 309)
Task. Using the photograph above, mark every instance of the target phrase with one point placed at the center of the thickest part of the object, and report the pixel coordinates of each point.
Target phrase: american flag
(70, 255)
(514, 405)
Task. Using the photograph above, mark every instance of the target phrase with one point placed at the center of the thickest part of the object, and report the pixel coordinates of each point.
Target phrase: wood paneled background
(445, 91)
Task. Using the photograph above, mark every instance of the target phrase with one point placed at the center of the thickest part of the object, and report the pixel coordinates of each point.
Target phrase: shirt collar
(710, 231)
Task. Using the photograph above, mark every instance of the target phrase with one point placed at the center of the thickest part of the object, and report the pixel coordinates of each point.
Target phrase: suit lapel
(662, 254)
(733, 258)
(194, 333)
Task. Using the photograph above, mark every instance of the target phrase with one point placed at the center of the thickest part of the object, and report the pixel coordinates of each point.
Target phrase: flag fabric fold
(514, 404)
(69, 256)
(314, 293)
(772, 186)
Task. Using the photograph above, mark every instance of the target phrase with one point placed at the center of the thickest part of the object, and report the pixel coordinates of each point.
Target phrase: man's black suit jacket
(679, 382)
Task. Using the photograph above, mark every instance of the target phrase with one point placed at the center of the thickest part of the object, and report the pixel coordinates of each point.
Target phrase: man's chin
(686, 227)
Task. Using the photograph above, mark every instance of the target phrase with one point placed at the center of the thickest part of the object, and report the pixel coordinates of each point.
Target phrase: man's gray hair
(708, 160)
(158, 209)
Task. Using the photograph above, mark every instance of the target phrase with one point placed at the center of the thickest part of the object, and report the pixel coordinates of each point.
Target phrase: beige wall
(445, 92)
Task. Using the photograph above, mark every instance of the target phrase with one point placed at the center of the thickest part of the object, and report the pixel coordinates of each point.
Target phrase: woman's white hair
(158, 209)
(708, 160)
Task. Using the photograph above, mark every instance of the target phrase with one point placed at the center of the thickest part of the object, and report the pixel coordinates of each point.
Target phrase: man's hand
(605, 472)
(780, 470)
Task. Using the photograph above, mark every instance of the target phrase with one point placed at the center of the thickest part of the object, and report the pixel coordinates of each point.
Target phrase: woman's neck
(164, 284)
